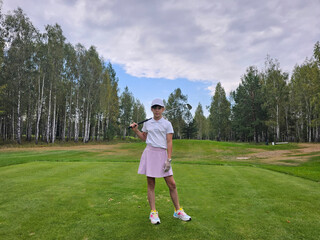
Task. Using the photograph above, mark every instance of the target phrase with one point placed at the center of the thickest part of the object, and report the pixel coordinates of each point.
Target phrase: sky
(158, 46)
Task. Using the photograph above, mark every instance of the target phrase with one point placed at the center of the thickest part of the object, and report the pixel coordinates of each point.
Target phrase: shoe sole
(182, 219)
(158, 222)
(155, 223)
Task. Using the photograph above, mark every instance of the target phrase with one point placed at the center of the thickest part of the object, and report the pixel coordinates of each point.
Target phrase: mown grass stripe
(95, 200)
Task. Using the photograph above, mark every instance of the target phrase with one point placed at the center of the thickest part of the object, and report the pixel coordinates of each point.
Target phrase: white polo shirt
(157, 132)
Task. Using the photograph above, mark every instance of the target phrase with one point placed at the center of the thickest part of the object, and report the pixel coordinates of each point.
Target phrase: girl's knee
(151, 183)
(172, 185)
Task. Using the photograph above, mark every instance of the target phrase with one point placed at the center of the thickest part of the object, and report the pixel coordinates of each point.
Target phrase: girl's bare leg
(151, 194)
(173, 191)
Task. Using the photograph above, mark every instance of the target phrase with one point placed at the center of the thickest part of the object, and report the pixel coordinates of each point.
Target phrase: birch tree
(110, 103)
(55, 67)
(276, 95)
(41, 62)
(304, 93)
(20, 38)
(70, 76)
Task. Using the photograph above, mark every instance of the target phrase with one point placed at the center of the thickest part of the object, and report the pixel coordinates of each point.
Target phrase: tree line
(267, 105)
(51, 89)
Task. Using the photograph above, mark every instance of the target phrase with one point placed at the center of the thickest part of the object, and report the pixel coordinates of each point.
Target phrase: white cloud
(200, 40)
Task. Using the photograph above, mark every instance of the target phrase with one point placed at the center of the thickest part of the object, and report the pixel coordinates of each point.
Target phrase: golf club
(141, 122)
(165, 112)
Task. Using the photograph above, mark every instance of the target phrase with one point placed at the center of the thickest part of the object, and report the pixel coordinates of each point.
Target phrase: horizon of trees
(50, 89)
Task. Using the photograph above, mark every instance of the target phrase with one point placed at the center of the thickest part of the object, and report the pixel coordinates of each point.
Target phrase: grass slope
(97, 194)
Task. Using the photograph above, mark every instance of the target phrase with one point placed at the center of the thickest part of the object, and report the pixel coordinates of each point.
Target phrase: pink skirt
(152, 162)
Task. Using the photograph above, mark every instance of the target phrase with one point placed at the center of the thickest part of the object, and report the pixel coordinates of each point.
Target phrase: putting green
(107, 200)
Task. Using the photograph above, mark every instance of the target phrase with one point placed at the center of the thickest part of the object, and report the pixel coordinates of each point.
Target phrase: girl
(156, 159)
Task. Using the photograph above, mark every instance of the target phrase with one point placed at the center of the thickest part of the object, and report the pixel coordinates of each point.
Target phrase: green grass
(185, 151)
(97, 194)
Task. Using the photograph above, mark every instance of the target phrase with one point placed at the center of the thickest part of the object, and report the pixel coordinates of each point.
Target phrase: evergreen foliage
(220, 125)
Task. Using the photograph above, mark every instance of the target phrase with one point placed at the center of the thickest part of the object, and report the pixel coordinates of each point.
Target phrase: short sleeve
(169, 128)
(144, 128)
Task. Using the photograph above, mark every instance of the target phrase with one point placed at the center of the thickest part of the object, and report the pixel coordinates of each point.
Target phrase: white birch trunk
(19, 118)
(89, 125)
(70, 119)
(29, 128)
(124, 133)
(278, 127)
(98, 133)
(54, 119)
(301, 131)
(49, 114)
(57, 112)
(85, 138)
(39, 109)
(103, 128)
(92, 131)
(317, 132)
(76, 122)
(310, 129)
(287, 125)
(82, 121)
(13, 128)
(107, 122)
(29, 122)
(63, 137)
(106, 128)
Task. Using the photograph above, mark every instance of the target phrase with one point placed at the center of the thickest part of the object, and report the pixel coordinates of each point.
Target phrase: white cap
(158, 102)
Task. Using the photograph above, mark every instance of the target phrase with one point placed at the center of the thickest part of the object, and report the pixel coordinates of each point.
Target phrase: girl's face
(157, 111)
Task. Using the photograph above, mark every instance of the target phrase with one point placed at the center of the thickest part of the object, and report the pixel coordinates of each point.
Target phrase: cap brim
(157, 105)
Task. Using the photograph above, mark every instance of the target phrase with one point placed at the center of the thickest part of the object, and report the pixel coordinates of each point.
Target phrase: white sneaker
(181, 215)
(154, 217)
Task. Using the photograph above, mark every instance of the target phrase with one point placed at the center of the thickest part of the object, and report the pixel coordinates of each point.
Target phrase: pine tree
(126, 110)
(220, 115)
(189, 130)
(247, 113)
(200, 123)
(176, 108)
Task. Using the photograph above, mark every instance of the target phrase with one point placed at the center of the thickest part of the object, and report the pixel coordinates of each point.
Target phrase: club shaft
(141, 122)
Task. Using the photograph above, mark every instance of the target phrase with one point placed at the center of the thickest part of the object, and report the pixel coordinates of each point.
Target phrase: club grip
(141, 122)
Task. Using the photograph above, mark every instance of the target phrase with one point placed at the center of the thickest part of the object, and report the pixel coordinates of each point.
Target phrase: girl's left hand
(167, 165)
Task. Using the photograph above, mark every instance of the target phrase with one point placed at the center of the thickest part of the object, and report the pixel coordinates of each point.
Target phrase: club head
(189, 106)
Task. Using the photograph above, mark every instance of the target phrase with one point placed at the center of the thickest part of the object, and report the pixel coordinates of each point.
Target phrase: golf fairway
(108, 200)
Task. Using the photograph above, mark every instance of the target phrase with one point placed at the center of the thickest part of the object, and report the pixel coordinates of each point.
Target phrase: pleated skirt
(152, 162)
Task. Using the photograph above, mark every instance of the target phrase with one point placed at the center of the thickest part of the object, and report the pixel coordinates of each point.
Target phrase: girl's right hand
(134, 126)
